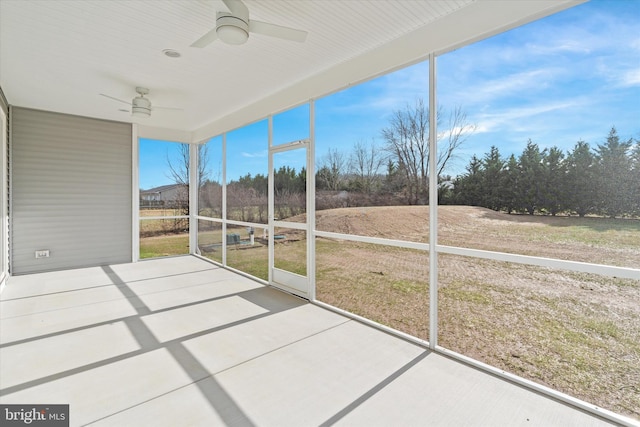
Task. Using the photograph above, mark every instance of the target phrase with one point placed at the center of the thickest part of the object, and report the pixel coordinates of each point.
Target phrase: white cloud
(482, 93)
(514, 83)
(564, 44)
(394, 91)
(631, 78)
(518, 118)
(257, 154)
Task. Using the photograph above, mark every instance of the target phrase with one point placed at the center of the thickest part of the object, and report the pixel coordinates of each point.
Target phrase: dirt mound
(391, 222)
(596, 240)
(402, 222)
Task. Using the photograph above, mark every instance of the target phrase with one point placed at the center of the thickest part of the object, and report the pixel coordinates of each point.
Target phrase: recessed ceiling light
(171, 53)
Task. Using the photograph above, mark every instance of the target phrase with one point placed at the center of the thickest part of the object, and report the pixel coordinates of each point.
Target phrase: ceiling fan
(140, 106)
(233, 27)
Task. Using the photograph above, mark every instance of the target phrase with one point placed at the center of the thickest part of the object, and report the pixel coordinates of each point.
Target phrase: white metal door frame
(286, 280)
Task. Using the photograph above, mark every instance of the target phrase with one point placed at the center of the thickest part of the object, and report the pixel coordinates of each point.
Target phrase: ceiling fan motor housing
(141, 106)
(232, 29)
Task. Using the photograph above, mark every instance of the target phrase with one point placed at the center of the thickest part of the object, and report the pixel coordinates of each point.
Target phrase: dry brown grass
(578, 333)
(597, 240)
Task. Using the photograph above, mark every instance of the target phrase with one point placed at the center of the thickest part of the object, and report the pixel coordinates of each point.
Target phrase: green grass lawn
(165, 245)
(252, 260)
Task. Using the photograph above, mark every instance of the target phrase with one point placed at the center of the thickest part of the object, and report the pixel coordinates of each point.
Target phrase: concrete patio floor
(182, 342)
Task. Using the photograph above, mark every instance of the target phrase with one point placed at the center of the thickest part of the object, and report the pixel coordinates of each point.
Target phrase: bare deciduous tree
(458, 130)
(365, 163)
(407, 139)
(179, 172)
(331, 170)
(241, 202)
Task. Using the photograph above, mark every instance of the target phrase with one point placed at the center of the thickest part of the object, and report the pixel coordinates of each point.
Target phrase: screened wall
(480, 215)
(163, 202)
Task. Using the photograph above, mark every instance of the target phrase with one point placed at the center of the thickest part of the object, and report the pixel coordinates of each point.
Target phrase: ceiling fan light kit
(231, 29)
(141, 106)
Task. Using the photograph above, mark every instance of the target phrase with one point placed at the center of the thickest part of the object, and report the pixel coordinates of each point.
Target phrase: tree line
(247, 196)
(603, 180)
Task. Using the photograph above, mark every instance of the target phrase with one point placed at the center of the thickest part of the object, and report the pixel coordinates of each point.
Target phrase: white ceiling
(60, 55)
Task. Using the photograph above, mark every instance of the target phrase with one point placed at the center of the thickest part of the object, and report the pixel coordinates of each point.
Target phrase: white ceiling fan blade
(237, 8)
(278, 31)
(205, 40)
(154, 107)
(116, 99)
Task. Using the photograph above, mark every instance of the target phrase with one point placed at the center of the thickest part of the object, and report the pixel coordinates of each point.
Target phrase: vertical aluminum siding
(70, 192)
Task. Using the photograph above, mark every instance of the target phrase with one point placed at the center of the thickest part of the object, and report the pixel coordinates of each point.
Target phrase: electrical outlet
(43, 253)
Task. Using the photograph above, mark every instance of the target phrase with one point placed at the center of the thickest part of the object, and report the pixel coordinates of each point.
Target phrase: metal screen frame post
(311, 205)
(135, 194)
(433, 206)
(194, 189)
(224, 200)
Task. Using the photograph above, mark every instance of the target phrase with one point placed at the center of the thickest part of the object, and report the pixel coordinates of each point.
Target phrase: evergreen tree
(614, 186)
(580, 180)
(635, 179)
(510, 184)
(468, 187)
(531, 170)
(490, 181)
(553, 181)
(287, 181)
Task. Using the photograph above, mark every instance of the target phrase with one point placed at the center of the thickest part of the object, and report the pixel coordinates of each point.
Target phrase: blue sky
(564, 78)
